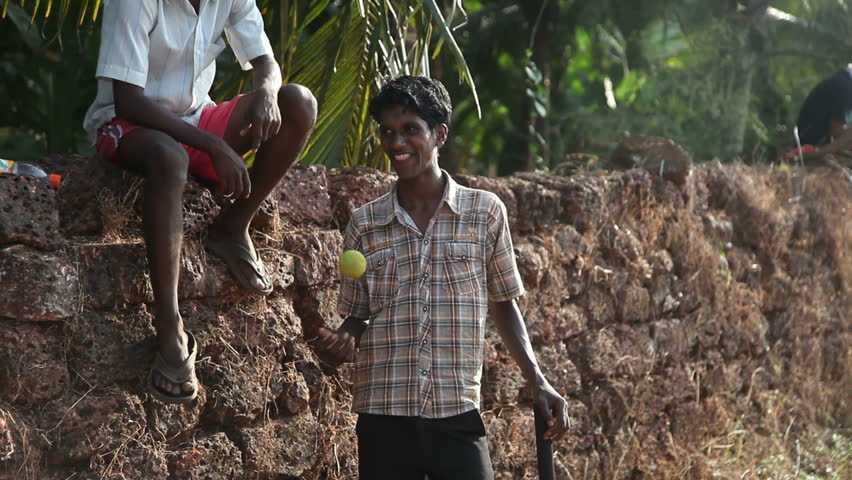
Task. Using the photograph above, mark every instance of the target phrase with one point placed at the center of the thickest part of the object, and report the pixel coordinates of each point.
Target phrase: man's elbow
(265, 63)
(125, 97)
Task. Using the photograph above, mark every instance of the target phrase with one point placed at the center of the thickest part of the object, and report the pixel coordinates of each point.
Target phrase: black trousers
(412, 448)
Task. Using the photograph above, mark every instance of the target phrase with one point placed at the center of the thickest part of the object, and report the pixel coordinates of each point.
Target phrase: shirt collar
(450, 197)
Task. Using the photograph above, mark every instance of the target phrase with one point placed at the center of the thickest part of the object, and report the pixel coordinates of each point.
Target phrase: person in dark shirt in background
(822, 122)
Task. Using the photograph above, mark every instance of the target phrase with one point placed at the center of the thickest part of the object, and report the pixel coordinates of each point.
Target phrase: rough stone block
(208, 458)
(497, 186)
(317, 307)
(175, 422)
(660, 156)
(28, 212)
(282, 269)
(533, 261)
(596, 354)
(199, 207)
(32, 362)
(202, 274)
(260, 325)
(37, 286)
(88, 182)
(128, 463)
(634, 304)
(538, 205)
(111, 347)
(352, 187)
(320, 387)
(267, 215)
(303, 196)
(502, 382)
(671, 341)
(617, 242)
(114, 274)
(635, 358)
(599, 305)
(568, 245)
(117, 273)
(240, 387)
(559, 370)
(570, 321)
(82, 425)
(280, 448)
(295, 397)
(316, 253)
(511, 438)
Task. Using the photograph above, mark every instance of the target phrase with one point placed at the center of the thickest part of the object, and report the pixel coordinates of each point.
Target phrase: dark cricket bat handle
(543, 447)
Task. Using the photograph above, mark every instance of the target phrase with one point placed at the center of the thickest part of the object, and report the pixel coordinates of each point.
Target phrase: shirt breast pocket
(213, 50)
(382, 279)
(464, 269)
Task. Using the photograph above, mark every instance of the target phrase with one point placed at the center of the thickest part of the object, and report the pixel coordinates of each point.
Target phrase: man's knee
(167, 163)
(297, 104)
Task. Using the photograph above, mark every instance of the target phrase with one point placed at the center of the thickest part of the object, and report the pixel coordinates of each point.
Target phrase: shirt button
(425, 308)
(424, 372)
(425, 276)
(425, 341)
(426, 241)
(198, 52)
(464, 257)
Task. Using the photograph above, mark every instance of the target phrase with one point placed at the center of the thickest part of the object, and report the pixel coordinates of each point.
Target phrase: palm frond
(447, 35)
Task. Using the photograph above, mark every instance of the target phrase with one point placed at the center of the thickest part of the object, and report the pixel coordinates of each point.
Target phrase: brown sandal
(179, 375)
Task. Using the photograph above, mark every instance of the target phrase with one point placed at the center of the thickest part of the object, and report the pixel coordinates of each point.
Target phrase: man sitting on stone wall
(823, 120)
(153, 115)
(439, 255)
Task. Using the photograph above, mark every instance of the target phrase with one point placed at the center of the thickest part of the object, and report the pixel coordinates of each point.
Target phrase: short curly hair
(423, 95)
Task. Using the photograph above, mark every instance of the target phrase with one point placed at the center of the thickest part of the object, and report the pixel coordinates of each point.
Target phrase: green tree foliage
(46, 80)
(723, 78)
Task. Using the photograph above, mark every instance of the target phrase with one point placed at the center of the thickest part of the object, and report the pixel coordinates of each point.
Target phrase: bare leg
(163, 162)
(273, 159)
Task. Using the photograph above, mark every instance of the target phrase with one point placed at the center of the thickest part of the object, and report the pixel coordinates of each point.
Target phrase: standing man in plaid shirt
(438, 255)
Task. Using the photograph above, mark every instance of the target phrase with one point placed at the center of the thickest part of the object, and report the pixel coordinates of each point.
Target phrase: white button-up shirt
(168, 49)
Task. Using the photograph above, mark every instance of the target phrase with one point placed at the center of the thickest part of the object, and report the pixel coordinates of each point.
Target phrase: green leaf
(447, 34)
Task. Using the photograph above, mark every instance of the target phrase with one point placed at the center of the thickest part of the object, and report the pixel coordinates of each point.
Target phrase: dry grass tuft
(117, 210)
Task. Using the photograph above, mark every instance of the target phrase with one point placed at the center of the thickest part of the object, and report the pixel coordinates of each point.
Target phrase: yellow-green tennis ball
(353, 264)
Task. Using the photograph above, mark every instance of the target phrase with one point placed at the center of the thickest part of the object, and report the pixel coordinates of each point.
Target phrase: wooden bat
(543, 446)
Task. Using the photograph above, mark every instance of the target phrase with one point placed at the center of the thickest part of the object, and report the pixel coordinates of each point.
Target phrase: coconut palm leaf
(343, 61)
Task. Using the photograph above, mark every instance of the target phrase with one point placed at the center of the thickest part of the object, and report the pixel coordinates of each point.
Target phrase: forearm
(132, 105)
(266, 74)
(510, 325)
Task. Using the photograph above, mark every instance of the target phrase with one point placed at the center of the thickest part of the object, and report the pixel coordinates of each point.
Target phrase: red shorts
(794, 153)
(214, 119)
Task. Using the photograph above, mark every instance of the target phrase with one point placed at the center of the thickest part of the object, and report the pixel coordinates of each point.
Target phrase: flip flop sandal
(233, 254)
(179, 375)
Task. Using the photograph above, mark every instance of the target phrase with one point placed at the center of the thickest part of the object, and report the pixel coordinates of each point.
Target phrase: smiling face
(409, 143)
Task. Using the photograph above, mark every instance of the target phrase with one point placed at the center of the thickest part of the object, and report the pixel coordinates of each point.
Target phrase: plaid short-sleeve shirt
(425, 296)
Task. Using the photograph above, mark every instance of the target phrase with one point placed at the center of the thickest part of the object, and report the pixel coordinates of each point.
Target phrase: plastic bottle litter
(21, 168)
